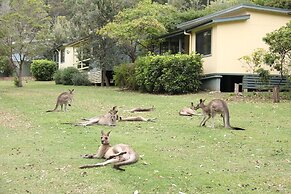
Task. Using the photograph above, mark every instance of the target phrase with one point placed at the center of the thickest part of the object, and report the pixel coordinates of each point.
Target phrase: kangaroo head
(113, 116)
(105, 138)
(71, 91)
(200, 104)
(192, 106)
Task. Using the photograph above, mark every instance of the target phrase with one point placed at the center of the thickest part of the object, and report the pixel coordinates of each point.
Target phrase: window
(62, 55)
(203, 42)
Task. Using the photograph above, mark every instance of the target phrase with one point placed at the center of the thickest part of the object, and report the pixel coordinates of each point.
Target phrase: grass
(38, 154)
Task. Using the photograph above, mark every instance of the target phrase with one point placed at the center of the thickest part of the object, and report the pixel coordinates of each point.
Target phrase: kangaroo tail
(237, 128)
(68, 123)
(133, 159)
(53, 109)
(90, 166)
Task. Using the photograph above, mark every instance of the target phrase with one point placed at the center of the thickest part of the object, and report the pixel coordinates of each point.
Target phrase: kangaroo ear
(102, 132)
(201, 101)
(114, 107)
(204, 100)
(108, 133)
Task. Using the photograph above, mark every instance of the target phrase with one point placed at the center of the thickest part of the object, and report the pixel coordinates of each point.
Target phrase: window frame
(62, 57)
(204, 45)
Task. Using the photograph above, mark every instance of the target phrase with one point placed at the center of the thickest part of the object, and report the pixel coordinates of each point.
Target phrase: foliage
(85, 17)
(68, 74)
(264, 75)
(279, 56)
(124, 76)
(43, 70)
(5, 68)
(58, 76)
(172, 74)
(71, 76)
(26, 32)
(80, 79)
(136, 28)
(254, 61)
(286, 4)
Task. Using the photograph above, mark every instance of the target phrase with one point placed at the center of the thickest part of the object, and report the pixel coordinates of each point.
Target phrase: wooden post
(276, 98)
(236, 88)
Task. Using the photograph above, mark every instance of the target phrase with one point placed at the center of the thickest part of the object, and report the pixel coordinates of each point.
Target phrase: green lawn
(38, 154)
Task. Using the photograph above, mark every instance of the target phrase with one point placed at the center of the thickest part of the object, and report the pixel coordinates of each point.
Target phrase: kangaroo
(188, 111)
(118, 155)
(65, 99)
(107, 119)
(213, 107)
(142, 109)
(136, 118)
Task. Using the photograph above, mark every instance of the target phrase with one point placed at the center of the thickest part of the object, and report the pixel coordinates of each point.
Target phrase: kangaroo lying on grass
(64, 98)
(118, 155)
(136, 118)
(189, 111)
(213, 107)
(142, 109)
(107, 119)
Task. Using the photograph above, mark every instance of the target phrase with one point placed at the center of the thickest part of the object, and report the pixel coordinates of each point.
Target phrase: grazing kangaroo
(65, 99)
(142, 109)
(118, 155)
(136, 118)
(213, 107)
(189, 111)
(107, 119)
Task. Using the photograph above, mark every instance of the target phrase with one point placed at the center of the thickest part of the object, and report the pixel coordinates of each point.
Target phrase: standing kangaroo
(107, 119)
(188, 111)
(213, 107)
(118, 155)
(65, 99)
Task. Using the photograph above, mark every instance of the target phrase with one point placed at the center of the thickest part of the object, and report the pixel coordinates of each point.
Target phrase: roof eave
(208, 18)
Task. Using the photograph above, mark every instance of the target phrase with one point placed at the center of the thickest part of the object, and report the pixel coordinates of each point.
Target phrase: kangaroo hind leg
(113, 160)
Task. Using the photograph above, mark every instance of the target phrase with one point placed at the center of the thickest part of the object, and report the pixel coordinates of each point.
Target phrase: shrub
(124, 76)
(172, 74)
(43, 70)
(80, 79)
(67, 75)
(58, 76)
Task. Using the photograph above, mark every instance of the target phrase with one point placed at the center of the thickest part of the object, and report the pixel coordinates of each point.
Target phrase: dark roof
(208, 18)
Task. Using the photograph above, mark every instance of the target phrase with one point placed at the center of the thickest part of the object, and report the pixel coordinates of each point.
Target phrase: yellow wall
(232, 40)
(70, 57)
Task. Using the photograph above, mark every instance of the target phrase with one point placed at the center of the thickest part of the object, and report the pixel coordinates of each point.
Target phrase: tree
(26, 30)
(136, 28)
(279, 56)
(87, 16)
(286, 4)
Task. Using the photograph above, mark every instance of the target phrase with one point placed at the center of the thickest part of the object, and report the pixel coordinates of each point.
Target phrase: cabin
(222, 38)
(75, 54)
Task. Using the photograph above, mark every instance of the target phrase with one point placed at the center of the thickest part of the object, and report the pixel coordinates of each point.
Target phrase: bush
(80, 79)
(124, 76)
(58, 76)
(172, 74)
(43, 70)
(67, 75)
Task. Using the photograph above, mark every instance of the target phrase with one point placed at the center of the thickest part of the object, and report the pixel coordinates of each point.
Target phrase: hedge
(172, 74)
(43, 70)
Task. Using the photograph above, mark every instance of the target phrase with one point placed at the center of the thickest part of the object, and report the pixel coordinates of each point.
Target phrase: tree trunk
(18, 81)
(104, 78)
(276, 98)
